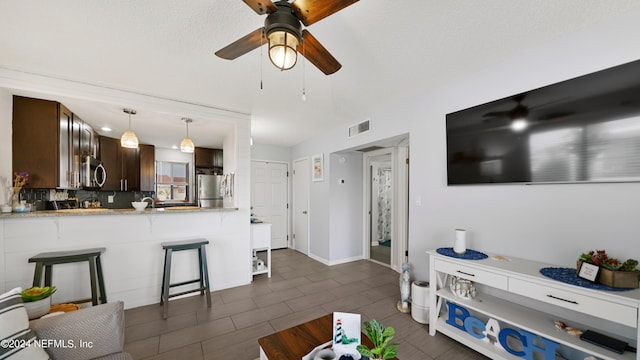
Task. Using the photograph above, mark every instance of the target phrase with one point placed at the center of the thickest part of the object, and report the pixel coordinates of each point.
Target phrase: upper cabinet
(209, 159)
(48, 143)
(127, 169)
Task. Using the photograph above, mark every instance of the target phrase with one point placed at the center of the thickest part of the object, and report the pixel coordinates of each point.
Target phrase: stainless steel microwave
(93, 174)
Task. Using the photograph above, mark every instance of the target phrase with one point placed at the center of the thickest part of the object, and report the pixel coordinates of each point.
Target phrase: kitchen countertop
(104, 211)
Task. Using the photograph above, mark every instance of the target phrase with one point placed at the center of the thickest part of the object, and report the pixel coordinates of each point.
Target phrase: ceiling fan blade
(497, 113)
(555, 116)
(243, 45)
(311, 11)
(261, 7)
(313, 51)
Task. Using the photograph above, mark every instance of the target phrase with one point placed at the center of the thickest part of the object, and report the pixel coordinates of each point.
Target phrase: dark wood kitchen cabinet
(35, 144)
(208, 158)
(127, 169)
(46, 143)
(147, 168)
(49, 143)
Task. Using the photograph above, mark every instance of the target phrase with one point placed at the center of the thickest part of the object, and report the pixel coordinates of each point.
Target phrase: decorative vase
(38, 308)
(15, 196)
(460, 244)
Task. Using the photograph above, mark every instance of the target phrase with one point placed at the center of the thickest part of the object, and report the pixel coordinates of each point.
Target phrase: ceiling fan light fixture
(187, 145)
(282, 49)
(129, 138)
(520, 124)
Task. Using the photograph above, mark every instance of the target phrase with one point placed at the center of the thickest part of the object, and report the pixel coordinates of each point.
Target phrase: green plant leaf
(363, 350)
(390, 352)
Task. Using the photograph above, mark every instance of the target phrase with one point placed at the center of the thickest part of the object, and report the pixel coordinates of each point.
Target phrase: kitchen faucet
(153, 203)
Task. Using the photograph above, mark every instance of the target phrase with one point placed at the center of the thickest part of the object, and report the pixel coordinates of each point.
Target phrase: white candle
(460, 244)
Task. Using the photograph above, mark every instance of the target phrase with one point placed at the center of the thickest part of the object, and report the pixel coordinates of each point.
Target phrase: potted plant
(37, 300)
(380, 336)
(613, 272)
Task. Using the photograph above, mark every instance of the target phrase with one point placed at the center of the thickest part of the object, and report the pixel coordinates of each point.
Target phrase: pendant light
(129, 138)
(186, 145)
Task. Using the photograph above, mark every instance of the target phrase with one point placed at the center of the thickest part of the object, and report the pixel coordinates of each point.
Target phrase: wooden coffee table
(296, 342)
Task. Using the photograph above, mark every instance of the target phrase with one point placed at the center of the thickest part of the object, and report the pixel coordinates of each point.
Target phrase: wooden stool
(47, 260)
(169, 248)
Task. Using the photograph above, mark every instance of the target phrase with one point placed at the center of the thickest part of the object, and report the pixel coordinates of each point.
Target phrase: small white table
(261, 240)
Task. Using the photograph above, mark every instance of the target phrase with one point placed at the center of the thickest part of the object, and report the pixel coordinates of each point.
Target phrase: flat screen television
(585, 129)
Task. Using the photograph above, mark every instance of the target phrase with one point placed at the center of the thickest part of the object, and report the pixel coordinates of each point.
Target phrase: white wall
(552, 223)
(271, 152)
(345, 234)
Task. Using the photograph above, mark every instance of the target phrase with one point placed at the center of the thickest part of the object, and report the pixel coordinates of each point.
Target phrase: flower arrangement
(37, 293)
(20, 180)
(601, 258)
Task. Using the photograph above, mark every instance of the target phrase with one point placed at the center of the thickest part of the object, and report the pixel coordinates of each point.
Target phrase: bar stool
(47, 260)
(169, 248)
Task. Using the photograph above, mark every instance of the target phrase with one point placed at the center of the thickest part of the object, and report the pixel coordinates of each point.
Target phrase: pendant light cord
(304, 62)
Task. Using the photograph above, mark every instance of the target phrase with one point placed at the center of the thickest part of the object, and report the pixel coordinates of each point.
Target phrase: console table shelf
(519, 279)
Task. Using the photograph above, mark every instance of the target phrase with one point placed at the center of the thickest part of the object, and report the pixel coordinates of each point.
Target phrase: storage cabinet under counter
(515, 307)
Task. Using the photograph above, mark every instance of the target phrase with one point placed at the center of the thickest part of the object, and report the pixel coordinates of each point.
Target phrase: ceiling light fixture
(186, 145)
(283, 32)
(518, 125)
(129, 138)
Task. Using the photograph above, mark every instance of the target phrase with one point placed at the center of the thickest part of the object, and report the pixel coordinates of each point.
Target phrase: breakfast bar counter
(133, 257)
(105, 211)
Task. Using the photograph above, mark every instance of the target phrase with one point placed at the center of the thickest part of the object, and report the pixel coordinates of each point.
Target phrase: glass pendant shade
(282, 49)
(129, 138)
(187, 145)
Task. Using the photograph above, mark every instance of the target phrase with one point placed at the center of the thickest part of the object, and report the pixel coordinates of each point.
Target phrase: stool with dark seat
(47, 260)
(169, 248)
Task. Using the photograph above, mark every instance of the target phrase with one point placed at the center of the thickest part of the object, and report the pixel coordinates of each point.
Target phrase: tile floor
(299, 290)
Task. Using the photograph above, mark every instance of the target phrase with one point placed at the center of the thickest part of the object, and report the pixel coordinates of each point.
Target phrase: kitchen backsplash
(121, 199)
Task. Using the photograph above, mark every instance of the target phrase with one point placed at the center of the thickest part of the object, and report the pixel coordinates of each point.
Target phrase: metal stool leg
(103, 292)
(203, 268)
(93, 276)
(47, 274)
(200, 270)
(164, 276)
(165, 284)
(37, 275)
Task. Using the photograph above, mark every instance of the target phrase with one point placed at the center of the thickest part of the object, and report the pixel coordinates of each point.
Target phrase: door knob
(305, 212)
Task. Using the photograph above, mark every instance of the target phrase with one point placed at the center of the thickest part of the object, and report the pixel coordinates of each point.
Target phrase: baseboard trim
(335, 262)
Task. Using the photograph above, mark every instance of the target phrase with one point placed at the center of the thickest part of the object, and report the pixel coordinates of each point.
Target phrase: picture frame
(589, 271)
(317, 167)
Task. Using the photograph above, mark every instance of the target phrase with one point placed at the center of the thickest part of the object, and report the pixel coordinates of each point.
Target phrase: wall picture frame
(317, 167)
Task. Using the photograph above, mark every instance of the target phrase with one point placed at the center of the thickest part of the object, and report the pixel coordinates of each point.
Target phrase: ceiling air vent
(359, 128)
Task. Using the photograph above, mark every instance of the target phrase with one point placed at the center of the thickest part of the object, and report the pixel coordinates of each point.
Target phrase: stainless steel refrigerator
(208, 187)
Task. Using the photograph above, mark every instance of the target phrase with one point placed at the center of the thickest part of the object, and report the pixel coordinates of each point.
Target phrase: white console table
(261, 240)
(515, 294)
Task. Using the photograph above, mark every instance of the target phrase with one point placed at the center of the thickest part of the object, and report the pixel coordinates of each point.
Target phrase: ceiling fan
(519, 115)
(283, 31)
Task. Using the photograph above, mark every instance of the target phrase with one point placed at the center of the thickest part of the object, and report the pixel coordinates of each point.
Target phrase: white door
(301, 173)
(269, 198)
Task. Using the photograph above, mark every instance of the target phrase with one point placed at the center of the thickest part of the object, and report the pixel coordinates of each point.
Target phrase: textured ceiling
(389, 50)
